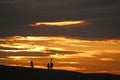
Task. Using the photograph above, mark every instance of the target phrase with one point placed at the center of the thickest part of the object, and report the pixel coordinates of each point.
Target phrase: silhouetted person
(31, 64)
(48, 66)
(51, 64)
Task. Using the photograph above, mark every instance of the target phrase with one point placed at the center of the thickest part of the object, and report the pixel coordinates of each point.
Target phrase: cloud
(107, 59)
(54, 44)
(68, 62)
(104, 55)
(61, 23)
(32, 45)
(62, 52)
(109, 55)
(23, 54)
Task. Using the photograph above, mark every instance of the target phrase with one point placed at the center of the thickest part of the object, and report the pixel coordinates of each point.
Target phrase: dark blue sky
(101, 16)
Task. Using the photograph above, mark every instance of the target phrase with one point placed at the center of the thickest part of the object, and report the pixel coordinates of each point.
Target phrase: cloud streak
(60, 23)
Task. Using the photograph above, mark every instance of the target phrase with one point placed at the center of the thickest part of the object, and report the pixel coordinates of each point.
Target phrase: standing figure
(48, 66)
(31, 64)
(51, 64)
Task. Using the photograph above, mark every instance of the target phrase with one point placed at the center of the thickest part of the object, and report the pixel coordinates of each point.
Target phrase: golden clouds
(65, 52)
(61, 23)
(42, 44)
(36, 44)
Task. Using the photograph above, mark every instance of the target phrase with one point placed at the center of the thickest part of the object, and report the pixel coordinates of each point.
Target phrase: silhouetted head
(51, 60)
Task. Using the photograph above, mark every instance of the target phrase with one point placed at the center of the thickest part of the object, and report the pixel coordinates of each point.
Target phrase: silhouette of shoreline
(21, 73)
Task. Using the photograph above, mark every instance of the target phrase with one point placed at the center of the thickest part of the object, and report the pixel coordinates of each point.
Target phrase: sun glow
(61, 23)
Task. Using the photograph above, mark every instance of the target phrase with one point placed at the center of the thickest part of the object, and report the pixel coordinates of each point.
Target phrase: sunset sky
(80, 35)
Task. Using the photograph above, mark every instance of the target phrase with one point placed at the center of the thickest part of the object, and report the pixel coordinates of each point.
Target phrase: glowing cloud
(61, 23)
(107, 59)
(69, 62)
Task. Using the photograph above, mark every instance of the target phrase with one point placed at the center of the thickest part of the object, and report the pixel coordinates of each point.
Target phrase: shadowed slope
(20, 73)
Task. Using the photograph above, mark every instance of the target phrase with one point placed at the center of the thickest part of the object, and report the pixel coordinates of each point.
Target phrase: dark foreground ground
(20, 73)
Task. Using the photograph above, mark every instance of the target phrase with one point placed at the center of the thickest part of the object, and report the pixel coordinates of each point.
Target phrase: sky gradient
(80, 35)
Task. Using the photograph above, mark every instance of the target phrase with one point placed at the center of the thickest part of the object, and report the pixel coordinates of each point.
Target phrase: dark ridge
(21, 73)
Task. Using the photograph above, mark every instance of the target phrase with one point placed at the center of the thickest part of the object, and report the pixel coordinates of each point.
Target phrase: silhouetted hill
(20, 73)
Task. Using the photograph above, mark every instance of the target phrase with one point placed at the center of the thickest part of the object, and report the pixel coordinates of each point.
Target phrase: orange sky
(67, 53)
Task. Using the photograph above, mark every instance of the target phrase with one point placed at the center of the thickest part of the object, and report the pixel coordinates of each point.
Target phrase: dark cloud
(102, 17)
(24, 53)
(5, 54)
(61, 52)
(5, 48)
